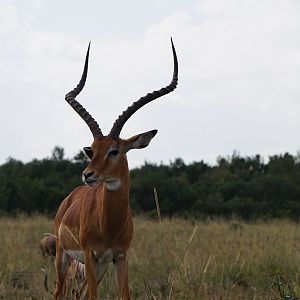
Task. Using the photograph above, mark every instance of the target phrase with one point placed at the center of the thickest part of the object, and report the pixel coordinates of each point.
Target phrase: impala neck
(114, 204)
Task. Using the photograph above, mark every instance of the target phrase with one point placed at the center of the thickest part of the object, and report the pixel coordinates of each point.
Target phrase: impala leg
(121, 270)
(83, 291)
(61, 265)
(80, 292)
(101, 269)
(90, 273)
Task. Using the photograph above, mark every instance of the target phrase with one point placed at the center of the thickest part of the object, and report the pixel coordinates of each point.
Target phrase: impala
(94, 223)
(75, 274)
(47, 245)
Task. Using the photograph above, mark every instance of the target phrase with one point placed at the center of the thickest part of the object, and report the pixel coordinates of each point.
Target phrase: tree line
(243, 187)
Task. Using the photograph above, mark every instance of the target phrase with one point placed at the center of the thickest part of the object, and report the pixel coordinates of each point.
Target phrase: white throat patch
(113, 185)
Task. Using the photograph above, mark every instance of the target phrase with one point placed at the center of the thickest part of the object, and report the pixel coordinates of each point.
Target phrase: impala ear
(140, 141)
(88, 152)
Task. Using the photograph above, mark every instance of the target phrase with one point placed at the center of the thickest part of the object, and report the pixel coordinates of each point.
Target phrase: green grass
(174, 259)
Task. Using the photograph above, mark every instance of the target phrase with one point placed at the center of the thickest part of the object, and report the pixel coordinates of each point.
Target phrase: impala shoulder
(80, 190)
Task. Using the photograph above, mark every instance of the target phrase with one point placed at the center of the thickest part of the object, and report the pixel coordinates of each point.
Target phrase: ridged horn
(119, 123)
(70, 98)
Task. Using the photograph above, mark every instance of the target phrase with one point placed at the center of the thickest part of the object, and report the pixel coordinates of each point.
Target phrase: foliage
(244, 187)
(39, 185)
(281, 287)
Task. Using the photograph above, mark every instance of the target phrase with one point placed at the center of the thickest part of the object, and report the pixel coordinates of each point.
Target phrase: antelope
(75, 274)
(47, 245)
(94, 222)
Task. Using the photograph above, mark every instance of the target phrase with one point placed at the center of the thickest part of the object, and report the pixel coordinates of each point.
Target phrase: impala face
(108, 158)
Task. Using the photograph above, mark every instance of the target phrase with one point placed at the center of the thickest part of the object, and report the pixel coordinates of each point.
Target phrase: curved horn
(119, 123)
(70, 98)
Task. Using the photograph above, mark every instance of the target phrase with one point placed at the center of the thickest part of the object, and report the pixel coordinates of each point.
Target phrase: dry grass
(171, 259)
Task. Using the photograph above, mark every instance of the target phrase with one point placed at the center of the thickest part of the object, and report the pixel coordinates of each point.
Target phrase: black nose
(89, 174)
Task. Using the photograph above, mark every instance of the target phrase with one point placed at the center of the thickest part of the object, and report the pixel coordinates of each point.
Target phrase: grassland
(174, 259)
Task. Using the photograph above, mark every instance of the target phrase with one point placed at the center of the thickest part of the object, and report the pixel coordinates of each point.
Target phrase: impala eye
(114, 152)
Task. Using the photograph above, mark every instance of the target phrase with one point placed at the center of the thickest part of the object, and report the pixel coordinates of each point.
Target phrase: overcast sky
(239, 75)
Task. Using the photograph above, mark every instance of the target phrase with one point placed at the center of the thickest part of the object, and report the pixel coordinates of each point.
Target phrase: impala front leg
(83, 291)
(121, 270)
(90, 272)
(61, 265)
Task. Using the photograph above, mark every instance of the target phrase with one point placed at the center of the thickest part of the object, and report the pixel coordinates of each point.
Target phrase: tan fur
(47, 245)
(97, 219)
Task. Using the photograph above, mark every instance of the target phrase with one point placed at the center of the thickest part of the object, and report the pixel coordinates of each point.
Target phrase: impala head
(107, 154)
(108, 158)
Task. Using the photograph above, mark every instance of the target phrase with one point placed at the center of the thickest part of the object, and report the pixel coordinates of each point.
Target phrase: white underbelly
(106, 257)
(76, 254)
